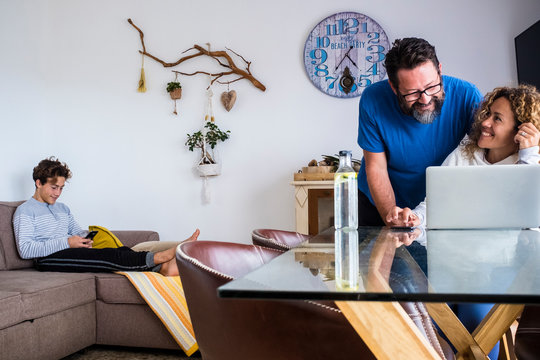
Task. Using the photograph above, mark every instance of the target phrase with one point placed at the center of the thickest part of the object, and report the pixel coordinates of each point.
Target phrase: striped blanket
(165, 295)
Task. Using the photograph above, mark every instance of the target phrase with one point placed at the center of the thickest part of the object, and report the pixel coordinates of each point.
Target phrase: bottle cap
(344, 152)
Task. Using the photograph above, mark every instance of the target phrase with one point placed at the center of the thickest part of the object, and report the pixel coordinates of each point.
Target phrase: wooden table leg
(452, 327)
(387, 330)
(494, 325)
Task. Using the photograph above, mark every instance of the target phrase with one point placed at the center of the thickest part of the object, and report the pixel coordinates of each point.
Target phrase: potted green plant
(174, 89)
(206, 140)
(330, 160)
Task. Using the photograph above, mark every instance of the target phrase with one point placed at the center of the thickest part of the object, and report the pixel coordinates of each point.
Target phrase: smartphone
(91, 235)
(402, 228)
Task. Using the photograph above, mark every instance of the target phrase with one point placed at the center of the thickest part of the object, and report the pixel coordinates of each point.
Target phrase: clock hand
(352, 61)
(346, 55)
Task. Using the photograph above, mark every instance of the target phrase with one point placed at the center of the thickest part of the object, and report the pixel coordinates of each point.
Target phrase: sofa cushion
(10, 308)
(9, 255)
(116, 289)
(132, 237)
(45, 293)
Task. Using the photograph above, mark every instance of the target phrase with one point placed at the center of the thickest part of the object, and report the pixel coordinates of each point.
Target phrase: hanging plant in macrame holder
(206, 140)
(176, 94)
(174, 88)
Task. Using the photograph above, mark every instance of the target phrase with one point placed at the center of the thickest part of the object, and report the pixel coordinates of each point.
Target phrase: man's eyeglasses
(429, 91)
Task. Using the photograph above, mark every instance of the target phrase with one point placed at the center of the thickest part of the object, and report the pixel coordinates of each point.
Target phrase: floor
(103, 352)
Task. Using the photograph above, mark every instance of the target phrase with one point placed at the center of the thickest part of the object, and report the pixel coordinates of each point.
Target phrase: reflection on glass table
(383, 264)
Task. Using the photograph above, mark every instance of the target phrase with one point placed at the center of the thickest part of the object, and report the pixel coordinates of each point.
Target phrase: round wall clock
(345, 53)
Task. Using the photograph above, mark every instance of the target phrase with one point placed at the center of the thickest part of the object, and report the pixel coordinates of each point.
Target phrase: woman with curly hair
(505, 131)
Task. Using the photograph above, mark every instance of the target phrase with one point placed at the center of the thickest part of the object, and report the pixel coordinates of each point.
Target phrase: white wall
(69, 71)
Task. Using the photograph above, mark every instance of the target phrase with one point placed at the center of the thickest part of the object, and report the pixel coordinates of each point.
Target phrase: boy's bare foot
(169, 268)
(193, 236)
(166, 255)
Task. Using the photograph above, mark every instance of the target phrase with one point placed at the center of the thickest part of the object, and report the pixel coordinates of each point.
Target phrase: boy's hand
(79, 242)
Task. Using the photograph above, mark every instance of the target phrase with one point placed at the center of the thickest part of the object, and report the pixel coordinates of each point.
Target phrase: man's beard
(425, 117)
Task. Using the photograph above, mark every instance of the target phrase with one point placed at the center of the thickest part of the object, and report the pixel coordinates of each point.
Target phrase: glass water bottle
(347, 260)
(345, 194)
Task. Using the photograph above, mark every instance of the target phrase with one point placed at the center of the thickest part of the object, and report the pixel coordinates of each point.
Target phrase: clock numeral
(364, 27)
(318, 54)
(373, 38)
(364, 81)
(346, 26)
(331, 30)
(379, 52)
(373, 70)
(331, 86)
(321, 70)
(323, 42)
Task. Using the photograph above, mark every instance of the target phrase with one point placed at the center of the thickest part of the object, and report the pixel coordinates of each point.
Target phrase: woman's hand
(402, 217)
(527, 136)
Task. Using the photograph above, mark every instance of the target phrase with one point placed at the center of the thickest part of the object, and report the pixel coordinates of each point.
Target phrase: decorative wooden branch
(216, 55)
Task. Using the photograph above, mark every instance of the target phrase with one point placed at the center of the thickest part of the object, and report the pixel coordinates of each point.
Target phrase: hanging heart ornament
(228, 98)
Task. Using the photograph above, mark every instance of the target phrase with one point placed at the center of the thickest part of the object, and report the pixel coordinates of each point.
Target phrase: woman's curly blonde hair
(524, 102)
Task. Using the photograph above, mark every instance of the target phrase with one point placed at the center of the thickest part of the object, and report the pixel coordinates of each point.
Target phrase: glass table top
(384, 264)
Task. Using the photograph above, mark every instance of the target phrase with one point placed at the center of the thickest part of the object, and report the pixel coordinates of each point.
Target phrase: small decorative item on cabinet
(322, 170)
(315, 171)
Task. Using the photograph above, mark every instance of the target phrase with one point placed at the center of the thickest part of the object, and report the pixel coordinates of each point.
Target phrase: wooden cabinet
(314, 205)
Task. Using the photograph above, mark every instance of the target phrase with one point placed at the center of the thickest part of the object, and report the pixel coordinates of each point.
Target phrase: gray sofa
(48, 315)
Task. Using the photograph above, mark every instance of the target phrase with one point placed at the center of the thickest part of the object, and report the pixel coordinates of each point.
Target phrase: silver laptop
(483, 197)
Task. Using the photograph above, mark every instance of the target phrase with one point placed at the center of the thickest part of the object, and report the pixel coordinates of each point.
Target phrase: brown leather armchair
(527, 346)
(278, 239)
(257, 329)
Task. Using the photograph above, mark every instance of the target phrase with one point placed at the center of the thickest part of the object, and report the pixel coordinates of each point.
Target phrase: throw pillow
(104, 238)
(155, 246)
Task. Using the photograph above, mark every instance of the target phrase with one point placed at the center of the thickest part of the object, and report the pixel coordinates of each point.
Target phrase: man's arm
(379, 183)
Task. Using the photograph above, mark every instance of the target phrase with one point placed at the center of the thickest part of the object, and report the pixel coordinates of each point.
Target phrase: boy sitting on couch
(46, 231)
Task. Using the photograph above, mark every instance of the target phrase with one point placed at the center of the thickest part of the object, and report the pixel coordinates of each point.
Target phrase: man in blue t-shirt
(412, 121)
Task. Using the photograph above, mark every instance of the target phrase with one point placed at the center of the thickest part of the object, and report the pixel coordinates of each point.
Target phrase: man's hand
(79, 242)
(406, 238)
(402, 217)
